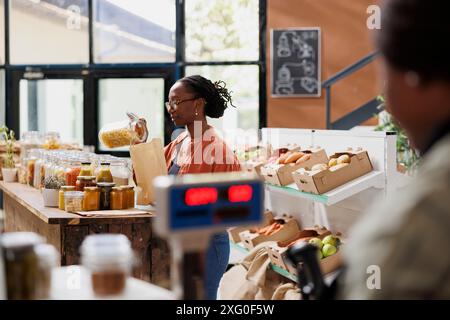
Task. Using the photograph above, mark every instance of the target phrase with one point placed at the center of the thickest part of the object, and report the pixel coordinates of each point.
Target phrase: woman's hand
(141, 130)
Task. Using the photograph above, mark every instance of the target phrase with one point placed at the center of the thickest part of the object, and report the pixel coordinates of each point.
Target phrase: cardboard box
(281, 174)
(253, 167)
(250, 238)
(327, 180)
(233, 233)
(278, 252)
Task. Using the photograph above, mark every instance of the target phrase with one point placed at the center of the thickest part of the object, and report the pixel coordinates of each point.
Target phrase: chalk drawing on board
(296, 62)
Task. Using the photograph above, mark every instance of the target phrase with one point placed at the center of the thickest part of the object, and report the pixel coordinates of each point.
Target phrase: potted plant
(50, 191)
(9, 170)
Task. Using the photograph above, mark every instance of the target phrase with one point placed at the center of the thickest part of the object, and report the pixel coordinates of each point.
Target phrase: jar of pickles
(91, 201)
(84, 181)
(128, 196)
(117, 198)
(105, 194)
(62, 191)
(104, 174)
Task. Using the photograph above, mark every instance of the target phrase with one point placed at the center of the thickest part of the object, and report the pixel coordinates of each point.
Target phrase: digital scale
(192, 208)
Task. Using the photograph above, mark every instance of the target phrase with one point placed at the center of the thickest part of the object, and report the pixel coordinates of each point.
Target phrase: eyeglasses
(176, 103)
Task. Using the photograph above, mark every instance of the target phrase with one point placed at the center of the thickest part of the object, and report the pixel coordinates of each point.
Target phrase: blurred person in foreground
(408, 236)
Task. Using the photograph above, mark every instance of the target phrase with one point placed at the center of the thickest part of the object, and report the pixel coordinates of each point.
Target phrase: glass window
(49, 32)
(134, 31)
(53, 105)
(2, 97)
(144, 97)
(222, 30)
(2, 32)
(243, 83)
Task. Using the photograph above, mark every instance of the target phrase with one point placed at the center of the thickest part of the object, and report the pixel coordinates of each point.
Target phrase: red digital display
(200, 196)
(241, 193)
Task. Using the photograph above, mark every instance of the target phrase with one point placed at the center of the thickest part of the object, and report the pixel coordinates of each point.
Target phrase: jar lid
(74, 194)
(68, 188)
(86, 178)
(105, 163)
(106, 246)
(20, 240)
(106, 184)
(117, 188)
(90, 188)
(127, 187)
(86, 163)
(48, 256)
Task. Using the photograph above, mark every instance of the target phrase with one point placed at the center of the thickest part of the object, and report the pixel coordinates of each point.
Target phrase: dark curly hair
(414, 37)
(216, 95)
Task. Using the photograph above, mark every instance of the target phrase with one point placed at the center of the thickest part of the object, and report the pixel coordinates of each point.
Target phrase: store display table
(74, 283)
(24, 211)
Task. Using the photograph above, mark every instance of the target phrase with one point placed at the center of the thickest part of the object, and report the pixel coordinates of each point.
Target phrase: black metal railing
(363, 112)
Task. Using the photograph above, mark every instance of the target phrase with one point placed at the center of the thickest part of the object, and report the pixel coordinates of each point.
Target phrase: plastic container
(61, 201)
(91, 201)
(124, 133)
(84, 181)
(73, 201)
(48, 259)
(105, 194)
(109, 258)
(21, 264)
(104, 174)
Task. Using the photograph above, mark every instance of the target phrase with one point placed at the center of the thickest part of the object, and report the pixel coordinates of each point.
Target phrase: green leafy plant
(53, 182)
(406, 155)
(9, 137)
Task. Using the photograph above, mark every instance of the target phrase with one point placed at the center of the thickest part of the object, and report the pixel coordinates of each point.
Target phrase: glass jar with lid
(86, 169)
(124, 133)
(109, 258)
(52, 141)
(117, 197)
(104, 174)
(29, 140)
(120, 171)
(21, 264)
(73, 170)
(62, 191)
(85, 181)
(105, 194)
(48, 259)
(91, 201)
(73, 201)
(128, 196)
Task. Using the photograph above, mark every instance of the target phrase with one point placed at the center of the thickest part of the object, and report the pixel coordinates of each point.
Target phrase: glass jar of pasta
(124, 133)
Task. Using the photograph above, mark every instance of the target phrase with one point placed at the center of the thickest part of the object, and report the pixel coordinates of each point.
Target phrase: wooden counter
(24, 211)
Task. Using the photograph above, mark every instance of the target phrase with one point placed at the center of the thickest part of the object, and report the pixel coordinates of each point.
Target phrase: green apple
(330, 240)
(328, 250)
(317, 242)
(319, 254)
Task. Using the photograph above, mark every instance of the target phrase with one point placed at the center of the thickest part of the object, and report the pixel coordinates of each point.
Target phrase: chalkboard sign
(295, 55)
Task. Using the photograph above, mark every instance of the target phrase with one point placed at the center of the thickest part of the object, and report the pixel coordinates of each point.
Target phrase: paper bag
(148, 163)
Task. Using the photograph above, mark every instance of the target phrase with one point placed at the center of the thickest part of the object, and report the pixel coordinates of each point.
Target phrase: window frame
(92, 72)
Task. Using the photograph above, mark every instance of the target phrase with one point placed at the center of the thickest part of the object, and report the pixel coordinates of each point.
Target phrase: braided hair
(217, 96)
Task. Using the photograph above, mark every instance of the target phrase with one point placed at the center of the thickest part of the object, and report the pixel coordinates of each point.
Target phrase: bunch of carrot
(270, 229)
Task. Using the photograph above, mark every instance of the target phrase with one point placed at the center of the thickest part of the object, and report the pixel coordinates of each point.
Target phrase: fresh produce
(293, 157)
(304, 158)
(343, 159)
(271, 228)
(330, 239)
(317, 242)
(328, 250)
(332, 162)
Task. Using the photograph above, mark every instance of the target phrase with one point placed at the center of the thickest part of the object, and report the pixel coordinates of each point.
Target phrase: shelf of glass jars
(373, 179)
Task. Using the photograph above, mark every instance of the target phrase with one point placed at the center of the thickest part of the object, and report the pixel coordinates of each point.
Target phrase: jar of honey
(117, 197)
(91, 200)
(128, 197)
(85, 181)
(61, 203)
